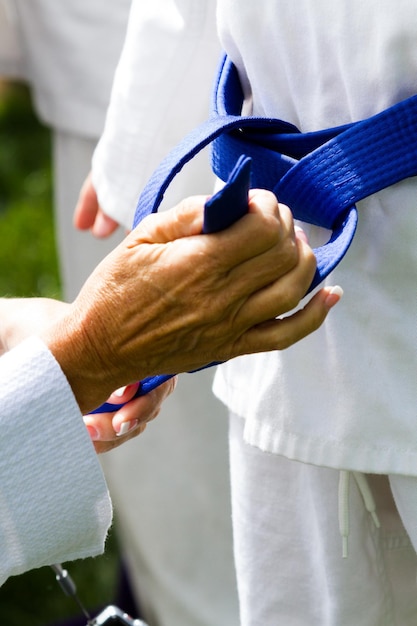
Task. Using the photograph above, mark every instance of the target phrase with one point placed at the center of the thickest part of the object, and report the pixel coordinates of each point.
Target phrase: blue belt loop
(319, 175)
(221, 211)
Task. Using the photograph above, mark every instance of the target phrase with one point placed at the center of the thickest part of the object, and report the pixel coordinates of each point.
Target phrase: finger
(106, 446)
(100, 425)
(123, 394)
(142, 409)
(183, 220)
(284, 294)
(267, 226)
(280, 334)
(272, 283)
(108, 426)
(103, 225)
(251, 235)
(87, 206)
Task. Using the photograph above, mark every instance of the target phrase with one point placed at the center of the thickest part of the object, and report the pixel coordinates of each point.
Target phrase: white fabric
(68, 52)
(79, 252)
(161, 91)
(10, 52)
(170, 489)
(174, 521)
(295, 411)
(289, 553)
(345, 397)
(54, 504)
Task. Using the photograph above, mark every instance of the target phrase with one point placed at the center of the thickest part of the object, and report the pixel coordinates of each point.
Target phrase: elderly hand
(89, 215)
(169, 299)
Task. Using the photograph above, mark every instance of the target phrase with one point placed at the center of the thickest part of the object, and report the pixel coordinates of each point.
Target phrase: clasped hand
(169, 300)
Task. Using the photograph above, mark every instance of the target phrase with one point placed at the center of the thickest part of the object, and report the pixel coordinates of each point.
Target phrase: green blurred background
(28, 267)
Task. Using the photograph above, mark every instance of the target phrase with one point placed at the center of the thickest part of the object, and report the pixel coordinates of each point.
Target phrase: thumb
(183, 220)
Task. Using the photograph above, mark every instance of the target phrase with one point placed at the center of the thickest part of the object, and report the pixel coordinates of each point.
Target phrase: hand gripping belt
(319, 175)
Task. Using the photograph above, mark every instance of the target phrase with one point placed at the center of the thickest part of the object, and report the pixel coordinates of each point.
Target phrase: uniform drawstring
(344, 483)
(368, 499)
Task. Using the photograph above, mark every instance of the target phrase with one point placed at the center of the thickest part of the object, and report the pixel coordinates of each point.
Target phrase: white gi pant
(288, 548)
(78, 251)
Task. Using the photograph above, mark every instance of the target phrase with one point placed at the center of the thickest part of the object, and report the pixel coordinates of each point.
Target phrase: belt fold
(319, 175)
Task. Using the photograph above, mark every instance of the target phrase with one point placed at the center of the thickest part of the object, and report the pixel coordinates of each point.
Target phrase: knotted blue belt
(319, 175)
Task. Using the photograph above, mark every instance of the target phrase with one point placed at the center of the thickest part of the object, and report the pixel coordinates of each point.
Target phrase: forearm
(22, 317)
(72, 340)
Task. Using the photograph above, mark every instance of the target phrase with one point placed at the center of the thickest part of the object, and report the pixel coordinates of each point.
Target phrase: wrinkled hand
(169, 299)
(89, 215)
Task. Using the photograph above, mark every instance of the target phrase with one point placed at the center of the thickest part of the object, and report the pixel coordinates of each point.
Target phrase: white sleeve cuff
(54, 502)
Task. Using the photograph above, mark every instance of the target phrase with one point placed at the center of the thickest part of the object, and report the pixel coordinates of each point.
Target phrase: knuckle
(284, 343)
(317, 319)
(270, 230)
(310, 257)
(263, 201)
(188, 207)
(291, 297)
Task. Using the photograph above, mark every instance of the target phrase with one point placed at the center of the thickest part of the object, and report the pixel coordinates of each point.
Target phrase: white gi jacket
(54, 500)
(344, 397)
(54, 503)
(67, 51)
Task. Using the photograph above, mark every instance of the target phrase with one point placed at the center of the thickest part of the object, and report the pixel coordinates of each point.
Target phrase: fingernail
(127, 427)
(93, 432)
(333, 296)
(119, 392)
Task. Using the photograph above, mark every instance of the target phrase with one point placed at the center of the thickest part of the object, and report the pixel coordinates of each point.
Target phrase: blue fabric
(319, 175)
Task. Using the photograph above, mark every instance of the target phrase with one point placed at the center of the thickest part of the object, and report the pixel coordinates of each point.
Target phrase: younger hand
(89, 215)
(109, 430)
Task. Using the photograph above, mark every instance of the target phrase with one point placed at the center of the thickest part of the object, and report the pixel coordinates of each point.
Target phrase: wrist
(80, 361)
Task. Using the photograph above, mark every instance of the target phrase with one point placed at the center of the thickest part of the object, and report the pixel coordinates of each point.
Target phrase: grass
(28, 267)
(27, 252)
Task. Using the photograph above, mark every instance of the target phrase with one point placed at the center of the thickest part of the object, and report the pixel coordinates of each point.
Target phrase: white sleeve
(54, 502)
(160, 92)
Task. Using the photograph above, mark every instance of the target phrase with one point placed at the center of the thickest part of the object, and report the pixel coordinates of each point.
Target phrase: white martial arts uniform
(50, 513)
(54, 501)
(178, 544)
(342, 402)
(67, 53)
(345, 397)
(175, 524)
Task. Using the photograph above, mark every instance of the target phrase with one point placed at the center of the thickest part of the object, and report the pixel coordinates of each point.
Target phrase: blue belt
(319, 175)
